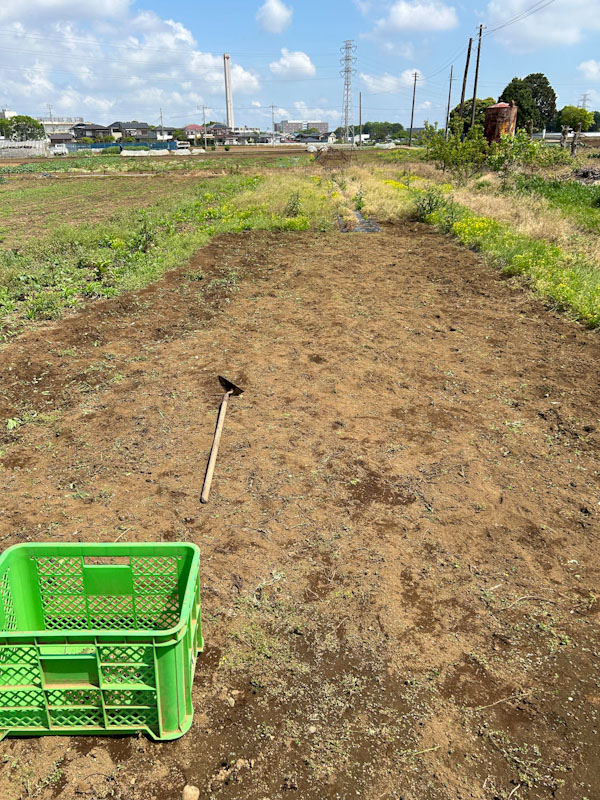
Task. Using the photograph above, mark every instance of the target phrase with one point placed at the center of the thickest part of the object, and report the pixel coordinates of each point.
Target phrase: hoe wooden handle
(212, 459)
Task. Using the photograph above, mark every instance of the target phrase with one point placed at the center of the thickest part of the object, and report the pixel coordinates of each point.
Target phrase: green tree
(180, 135)
(340, 132)
(24, 127)
(480, 107)
(380, 131)
(464, 158)
(544, 98)
(5, 128)
(572, 116)
(519, 91)
(596, 125)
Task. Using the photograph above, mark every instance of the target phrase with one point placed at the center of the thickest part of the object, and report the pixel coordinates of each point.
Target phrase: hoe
(230, 388)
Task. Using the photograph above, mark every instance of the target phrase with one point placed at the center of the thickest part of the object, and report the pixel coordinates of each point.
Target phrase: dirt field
(400, 561)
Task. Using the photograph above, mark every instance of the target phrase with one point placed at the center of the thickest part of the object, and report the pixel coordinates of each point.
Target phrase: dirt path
(400, 555)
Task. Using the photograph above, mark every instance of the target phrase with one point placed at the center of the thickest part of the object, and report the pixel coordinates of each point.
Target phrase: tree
(519, 91)
(544, 98)
(5, 128)
(596, 125)
(180, 135)
(380, 131)
(340, 132)
(25, 127)
(480, 107)
(463, 157)
(572, 116)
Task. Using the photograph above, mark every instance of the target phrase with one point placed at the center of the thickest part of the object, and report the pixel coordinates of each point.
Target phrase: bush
(427, 202)
(513, 153)
(464, 159)
(293, 206)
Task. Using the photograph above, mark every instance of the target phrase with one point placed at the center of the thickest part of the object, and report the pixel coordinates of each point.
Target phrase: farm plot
(32, 208)
(400, 557)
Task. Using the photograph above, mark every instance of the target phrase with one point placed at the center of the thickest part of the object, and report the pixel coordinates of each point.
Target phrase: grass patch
(577, 200)
(42, 278)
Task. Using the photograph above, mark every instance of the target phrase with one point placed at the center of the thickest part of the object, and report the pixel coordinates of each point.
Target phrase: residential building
(89, 130)
(61, 138)
(6, 114)
(291, 126)
(193, 131)
(59, 124)
(130, 130)
(310, 138)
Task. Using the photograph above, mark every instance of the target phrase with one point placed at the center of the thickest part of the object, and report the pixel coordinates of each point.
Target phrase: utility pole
(360, 119)
(464, 86)
(204, 124)
(476, 77)
(273, 126)
(348, 61)
(162, 130)
(412, 113)
(448, 111)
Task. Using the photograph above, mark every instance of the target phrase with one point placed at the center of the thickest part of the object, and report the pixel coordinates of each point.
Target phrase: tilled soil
(400, 554)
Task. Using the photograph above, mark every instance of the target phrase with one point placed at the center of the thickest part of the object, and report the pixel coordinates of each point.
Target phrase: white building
(6, 114)
(293, 125)
(58, 124)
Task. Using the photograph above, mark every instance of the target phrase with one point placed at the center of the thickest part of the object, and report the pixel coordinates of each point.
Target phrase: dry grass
(300, 193)
(382, 200)
(529, 216)
(532, 217)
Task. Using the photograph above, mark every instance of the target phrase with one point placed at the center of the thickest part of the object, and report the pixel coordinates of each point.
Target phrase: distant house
(61, 138)
(160, 134)
(310, 138)
(193, 129)
(139, 131)
(88, 130)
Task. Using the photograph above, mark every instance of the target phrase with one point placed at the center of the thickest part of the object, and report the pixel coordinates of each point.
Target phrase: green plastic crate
(98, 639)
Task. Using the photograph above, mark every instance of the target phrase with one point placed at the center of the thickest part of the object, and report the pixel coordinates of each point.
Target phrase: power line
(527, 12)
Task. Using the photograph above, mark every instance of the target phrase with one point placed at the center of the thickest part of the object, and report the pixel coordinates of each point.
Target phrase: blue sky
(115, 59)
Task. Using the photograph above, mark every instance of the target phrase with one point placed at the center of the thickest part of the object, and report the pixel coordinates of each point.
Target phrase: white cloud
(62, 9)
(378, 84)
(402, 49)
(590, 69)
(558, 25)
(274, 16)
(302, 111)
(364, 6)
(106, 69)
(293, 65)
(417, 15)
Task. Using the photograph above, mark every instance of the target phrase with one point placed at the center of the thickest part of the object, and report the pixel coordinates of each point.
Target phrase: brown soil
(400, 555)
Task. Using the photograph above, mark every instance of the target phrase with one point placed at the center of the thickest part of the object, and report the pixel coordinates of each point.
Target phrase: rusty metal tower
(348, 61)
